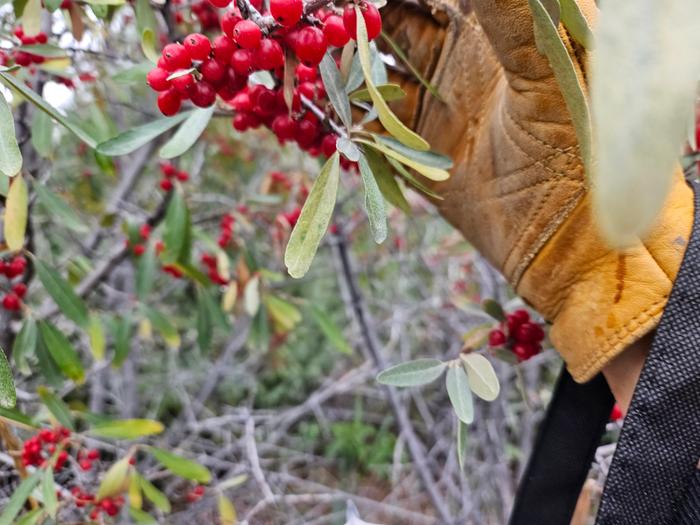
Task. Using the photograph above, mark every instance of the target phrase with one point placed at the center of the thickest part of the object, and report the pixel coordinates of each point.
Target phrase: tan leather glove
(518, 191)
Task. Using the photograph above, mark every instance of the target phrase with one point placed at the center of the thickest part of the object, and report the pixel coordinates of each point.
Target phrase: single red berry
(41, 38)
(157, 79)
(169, 102)
(241, 102)
(242, 61)
(11, 302)
(284, 127)
(139, 250)
(20, 289)
(198, 46)
(220, 3)
(269, 55)
(168, 169)
(176, 57)
(182, 176)
(512, 323)
(287, 12)
(247, 34)
(93, 454)
(616, 413)
(229, 21)
(212, 71)
(308, 132)
(306, 74)
(524, 351)
(370, 13)
(183, 84)
(522, 315)
(85, 464)
(334, 29)
(311, 45)
(529, 333)
(145, 231)
(179, 18)
(95, 514)
(22, 59)
(223, 48)
(203, 94)
(166, 185)
(328, 144)
(497, 338)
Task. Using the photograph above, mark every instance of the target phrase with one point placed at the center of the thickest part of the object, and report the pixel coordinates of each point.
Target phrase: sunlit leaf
(181, 466)
(482, 377)
(115, 481)
(141, 517)
(233, 482)
(59, 210)
(227, 512)
(62, 351)
(16, 211)
(429, 172)
(428, 158)
(8, 396)
(62, 293)
(134, 491)
(31, 17)
(412, 373)
(132, 139)
(460, 394)
(127, 428)
(10, 156)
(155, 496)
(188, 133)
(374, 202)
(284, 314)
(314, 220)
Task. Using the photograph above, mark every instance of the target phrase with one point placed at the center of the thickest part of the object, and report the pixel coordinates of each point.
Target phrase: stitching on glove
(540, 141)
(506, 175)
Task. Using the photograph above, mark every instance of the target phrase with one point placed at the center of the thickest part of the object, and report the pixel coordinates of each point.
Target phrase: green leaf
(52, 5)
(494, 309)
(389, 92)
(399, 53)
(24, 345)
(44, 50)
(283, 313)
(314, 220)
(390, 121)
(10, 156)
(62, 293)
(159, 500)
(19, 86)
(177, 225)
(12, 414)
(188, 133)
(204, 323)
(141, 517)
(16, 210)
(481, 375)
(233, 482)
(115, 480)
(62, 352)
(166, 329)
(31, 17)
(42, 134)
(374, 202)
(59, 210)
(335, 89)
(413, 181)
(640, 99)
(460, 394)
(16, 503)
(48, 493)
(549, 41)
(428, 158)
(8, 396)
(18, 6)
(131, 140)
(330, 330)
(57, 407)
(96, 335)
(121, 333)
(413, 373)
(461, 442)
(576, 24)
(32, 517)
(385, 179)
(180, 466)
(429, 172)
(47, 366)
(127, 428)
(145, 272)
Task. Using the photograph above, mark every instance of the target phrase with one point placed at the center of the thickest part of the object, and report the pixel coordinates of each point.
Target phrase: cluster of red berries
(210, 263)
(110, 506)
(195, 494)
(226, 230)
(39, 448)
(139, 248)
(170, 172)
(519, 334)
(87, 457)
(204, 12)
(23, 58)
(199, 69)
(12, 269)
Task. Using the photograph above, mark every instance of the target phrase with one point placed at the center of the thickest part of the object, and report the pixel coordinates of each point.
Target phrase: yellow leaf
(228, 301)
(429, 172)
(16, 214)
(97, 338)
(115, 480)
(227, 512)
(135, 497)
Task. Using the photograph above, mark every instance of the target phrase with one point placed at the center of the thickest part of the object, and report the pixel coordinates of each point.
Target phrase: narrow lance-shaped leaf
(412, 373)
(181, 466)
(227, 512)
(127, 428)
(482, 377)
(145, 272)
(62, 293)
(335, 89)
(176, 227)
(96, 336)
(640, 97)
(576, 23)
(16, 211)
(59, 209)
(390, 121)
(57, 407)
(428, 158)
(133, 139)
(16, 503)
(8, 396)
(429, 172)
(188, 133)
(314, 219)
(155, 496)
(460, 394)
(24, 345)
(115, 480)
(10, 156)
(48, 493)
(166, 329)
(387, 182)
(461, 442)
(389, 92)
(42, 133)
(374, 202)
(62, 351)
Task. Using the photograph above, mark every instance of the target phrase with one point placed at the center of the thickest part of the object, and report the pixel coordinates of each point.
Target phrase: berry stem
(248, 11)
(323, 117)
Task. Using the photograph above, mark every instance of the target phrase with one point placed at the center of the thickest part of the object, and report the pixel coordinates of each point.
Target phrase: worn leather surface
(518, 191)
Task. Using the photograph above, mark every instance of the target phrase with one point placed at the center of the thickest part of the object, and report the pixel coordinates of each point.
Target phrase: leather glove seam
(563, 151)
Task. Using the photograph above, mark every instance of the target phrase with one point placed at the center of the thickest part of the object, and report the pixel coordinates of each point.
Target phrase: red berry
(93, 454)
(311, 45)
(220, 3)
(223, 48)
(145, 231)
(308, 132)
(524, 351)
(22, 59)
(497, 338)
(203, 95)
(167, 169)
(370, 13)
(328, 144)
(11, 302)
(229, 21)
(269, 55)
(182, 176)
(335, 32)
(512, 322)
(183, 84)
(247, 34)
(85, 464)
(616, 413)
(169, 102)
(306, 73)
(139, 250)
(242, 61)
(529, 333)
(284, 127)
(176, 57)
(287, 12)
(522, 315)
(20, 289)
(241, 102)
(198, 46)
(41, 38)
(166, 185)
(212, 71)
(157, 78)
